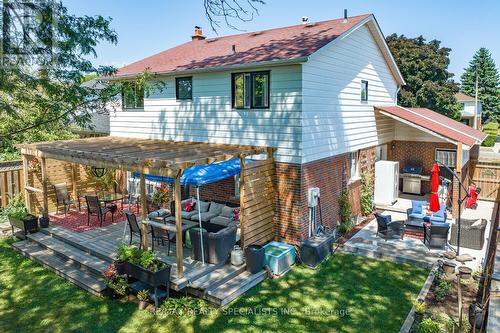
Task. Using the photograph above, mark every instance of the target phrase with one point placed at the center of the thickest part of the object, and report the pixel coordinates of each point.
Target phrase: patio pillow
(440, 212)
(203, 206)
(478, 223)
(215, 208)
(417, 206)
(236, 214)
(188, 206)
(226, 211)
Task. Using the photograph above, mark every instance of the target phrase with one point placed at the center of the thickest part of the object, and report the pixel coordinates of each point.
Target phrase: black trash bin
(254, 255)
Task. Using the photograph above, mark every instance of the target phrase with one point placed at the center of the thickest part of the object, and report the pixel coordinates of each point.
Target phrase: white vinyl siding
(209, 116)
(335, 120)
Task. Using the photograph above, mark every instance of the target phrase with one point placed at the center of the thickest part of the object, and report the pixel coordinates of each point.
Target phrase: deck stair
(225, 284)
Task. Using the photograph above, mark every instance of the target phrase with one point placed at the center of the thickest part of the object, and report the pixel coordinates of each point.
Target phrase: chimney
(305, 19)
(345, 15)
(198, 34)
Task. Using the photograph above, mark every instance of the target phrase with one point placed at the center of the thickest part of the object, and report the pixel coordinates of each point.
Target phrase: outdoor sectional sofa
(214, 215)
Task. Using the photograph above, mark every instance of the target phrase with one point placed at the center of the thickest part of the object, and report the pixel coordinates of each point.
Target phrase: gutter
(279, 62)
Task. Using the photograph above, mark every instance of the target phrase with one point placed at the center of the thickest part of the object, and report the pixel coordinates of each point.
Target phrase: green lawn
(376, 295)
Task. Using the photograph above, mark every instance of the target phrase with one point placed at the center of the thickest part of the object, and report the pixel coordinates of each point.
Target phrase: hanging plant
(34, 165)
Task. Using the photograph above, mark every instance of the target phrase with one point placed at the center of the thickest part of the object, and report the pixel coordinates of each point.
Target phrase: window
(132, 96)
(184, 88)
(381, 153)
(250, 90)
(353, 165)
(447, 157)
(364, 90)
(237, 186)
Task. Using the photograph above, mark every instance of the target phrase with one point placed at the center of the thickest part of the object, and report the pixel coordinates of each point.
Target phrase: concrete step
(61, 267)
(70, 253)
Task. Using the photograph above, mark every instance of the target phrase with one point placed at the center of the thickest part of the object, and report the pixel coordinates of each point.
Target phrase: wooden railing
(486, 175)
(11, 180)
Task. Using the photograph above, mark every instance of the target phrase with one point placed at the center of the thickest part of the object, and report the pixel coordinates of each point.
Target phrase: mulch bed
(77, 221)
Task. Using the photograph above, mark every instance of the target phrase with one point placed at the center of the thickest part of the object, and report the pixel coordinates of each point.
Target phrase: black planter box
(29, 224)
(154, 279)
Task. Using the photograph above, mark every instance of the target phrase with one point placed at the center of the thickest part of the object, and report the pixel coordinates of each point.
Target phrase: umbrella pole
(199, 221)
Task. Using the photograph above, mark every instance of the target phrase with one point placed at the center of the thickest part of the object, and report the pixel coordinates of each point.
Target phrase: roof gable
(288, 43)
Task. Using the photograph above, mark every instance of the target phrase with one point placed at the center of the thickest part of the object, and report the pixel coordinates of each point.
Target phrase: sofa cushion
(417, 216)
(159, 213)
(203, 206)
(417, 206)
(221, 220)
(440, 212)
(440, 224)
(215, 208)
(226, 211)
(205, 217)
(436, 219)
(187, 215)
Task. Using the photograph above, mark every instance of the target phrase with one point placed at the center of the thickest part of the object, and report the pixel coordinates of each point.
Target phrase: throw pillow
(416, 207)
(236, 214)
(227, 211)
(477, 223)
(188, 206)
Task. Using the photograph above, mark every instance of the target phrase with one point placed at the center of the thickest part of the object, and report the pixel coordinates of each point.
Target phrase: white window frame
(449, 161)
(363, 83)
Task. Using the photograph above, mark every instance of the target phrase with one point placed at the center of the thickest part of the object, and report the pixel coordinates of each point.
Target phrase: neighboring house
(470, 111)
(99, 121)
(322, 94)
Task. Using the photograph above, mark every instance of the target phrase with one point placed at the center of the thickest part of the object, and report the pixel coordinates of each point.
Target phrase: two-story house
(470, 111)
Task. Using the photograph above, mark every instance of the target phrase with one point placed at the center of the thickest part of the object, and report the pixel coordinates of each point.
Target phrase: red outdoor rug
(77, 221)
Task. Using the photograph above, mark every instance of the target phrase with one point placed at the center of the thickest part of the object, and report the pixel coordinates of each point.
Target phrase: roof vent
(305, 19)
(256, 33)
(308, 25)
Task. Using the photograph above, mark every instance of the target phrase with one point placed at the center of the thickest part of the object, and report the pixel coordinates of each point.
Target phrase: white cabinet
(386, 182)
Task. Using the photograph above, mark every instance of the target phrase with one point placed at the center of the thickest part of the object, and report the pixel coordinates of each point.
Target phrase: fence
(11, 180)
(486, 175)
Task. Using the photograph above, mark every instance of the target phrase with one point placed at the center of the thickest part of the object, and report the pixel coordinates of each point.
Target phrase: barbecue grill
(412, 179)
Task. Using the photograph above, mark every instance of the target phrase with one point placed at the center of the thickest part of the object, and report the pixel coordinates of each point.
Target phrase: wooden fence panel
(259, 203)
(486, 175)
(11, 180)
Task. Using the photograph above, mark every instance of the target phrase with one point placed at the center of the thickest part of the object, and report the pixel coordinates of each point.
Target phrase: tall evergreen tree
(424, 66)
(488, 83)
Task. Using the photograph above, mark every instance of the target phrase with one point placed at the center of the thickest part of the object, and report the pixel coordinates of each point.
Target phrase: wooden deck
(82, 257)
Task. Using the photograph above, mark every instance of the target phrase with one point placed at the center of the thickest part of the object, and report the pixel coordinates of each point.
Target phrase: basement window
(364, 90)
(250, 90)
(132, 96)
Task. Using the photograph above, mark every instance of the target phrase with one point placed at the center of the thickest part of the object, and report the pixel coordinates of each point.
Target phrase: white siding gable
(209, 116)
(334, 119)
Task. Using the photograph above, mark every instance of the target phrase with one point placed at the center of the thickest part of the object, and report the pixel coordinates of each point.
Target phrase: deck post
(178, 225)
(144, 212)
(43, 165)
(73, 181)
(242, 200)
(27, 198)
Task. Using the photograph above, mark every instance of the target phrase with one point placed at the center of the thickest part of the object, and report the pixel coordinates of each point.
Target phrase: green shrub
(134, 255)
(489, 141)
(420, 307)
(442, 290)
(366, 194)
(143, 295)
(16, 208)
(345, 207)
(491, 129)
(345, 227)
(429, 326)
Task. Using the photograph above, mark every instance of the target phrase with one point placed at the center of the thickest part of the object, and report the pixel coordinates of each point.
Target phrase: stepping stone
(464, 257)
(449, 255)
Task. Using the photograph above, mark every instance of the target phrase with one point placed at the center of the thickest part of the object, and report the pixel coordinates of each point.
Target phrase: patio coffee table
(415, 225)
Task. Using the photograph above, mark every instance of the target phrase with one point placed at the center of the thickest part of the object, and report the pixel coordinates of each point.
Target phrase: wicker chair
(471, 237)
(388, 228)
(436, 234)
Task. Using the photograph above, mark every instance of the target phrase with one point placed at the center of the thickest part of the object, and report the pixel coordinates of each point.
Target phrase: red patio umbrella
(434, 202)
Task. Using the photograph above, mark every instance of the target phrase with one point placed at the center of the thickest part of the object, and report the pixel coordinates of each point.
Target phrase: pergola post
(27, 197)
(144, 212)
(178, 225)
(45, 210)
(73, 181)
(242, 199)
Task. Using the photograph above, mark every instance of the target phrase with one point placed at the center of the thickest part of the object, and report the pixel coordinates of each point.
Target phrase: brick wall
(221, 191)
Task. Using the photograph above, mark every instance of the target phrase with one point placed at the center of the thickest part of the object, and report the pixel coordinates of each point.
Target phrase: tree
(230, 10)
(45, 57)
(483, 65)
(424, 66)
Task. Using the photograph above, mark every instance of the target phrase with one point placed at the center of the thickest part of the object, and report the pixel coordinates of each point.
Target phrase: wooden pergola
(147, 156)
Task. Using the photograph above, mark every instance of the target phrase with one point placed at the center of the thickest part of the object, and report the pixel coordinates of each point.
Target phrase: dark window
(184, 88)
(132, 96)
(250, 90)
(364, 90)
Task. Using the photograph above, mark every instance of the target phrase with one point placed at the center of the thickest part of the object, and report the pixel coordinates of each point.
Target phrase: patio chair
(94, 208)
(388, 228)
(159, 234)
(471, 233)
(134, 228)
(436, 234)
(63, 198)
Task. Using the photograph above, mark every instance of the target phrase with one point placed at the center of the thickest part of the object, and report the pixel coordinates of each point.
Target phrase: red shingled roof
(436, 123)
(286, 43)
(461, 97)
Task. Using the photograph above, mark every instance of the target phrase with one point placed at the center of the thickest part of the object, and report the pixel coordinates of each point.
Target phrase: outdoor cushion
(417, 216)
(159, 213)
(440, 212)
(236, 214)
(221, 220)
(478, 223)
(434, 218)
(417, 206)
(205, 217)
(187, 215)
(203, 206)
(385, 218)
(188, 206)
(226, 211)
(215, 208)
(440, 224)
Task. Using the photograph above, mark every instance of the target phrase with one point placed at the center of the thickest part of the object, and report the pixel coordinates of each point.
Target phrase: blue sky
(149, 26)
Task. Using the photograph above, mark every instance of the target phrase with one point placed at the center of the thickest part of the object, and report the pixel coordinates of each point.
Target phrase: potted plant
(420, 308)
(116, 283)
(18, 215)
(143, 297)
(160, 197)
